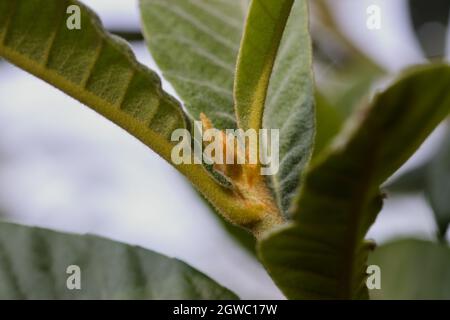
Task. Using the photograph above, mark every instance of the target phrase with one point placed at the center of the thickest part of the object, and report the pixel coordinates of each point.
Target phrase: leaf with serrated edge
(322, 254)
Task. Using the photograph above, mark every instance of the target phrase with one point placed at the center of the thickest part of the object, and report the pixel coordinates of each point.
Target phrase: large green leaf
(264, 29)
(34, 262)
(437, 187)
(196, 43)
(412, 269)
(322, 254)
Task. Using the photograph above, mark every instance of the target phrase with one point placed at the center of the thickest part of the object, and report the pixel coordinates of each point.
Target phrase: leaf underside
(90, 65)
(322, 254)
(33, 264)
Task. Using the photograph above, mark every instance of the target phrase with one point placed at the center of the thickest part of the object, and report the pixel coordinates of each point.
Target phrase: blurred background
(64, 167)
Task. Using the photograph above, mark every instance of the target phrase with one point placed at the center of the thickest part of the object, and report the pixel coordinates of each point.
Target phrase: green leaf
(322, 254)
(328, 123)
(264, 29)
(437, 187)
(33, 264)
(412, 269)
(196, 43)
(290, 104)
(90, 65)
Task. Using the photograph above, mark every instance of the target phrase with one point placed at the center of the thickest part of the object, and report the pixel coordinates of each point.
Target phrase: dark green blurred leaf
(349, 84)
(430, 22)
(411, 181)
(33, 264)
(328, 123)
(437, 187)
(412, 269)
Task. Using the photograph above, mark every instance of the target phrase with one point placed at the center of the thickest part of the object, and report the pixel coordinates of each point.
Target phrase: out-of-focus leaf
(344, 73)
(128, 35)
(101, 71)
(322, 253)
(411, 181)
(437, 185)
(33, 264)
(430, 23)
(290, 104)
(328, 123)
(90, 65)
(433, 178)
(412, 269)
